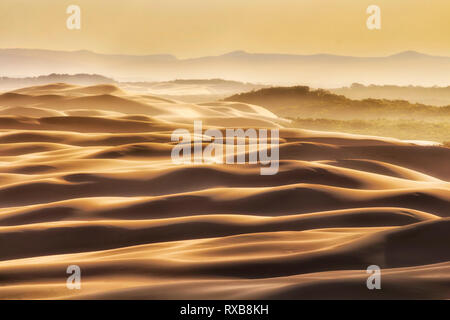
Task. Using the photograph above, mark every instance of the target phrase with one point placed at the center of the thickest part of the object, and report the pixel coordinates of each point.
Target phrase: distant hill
(303, 102)
(318, 70)
(438, 96)
(325, 111)
(7, 83)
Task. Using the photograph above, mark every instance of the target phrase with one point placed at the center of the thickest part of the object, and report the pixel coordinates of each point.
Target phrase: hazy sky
(190, 28)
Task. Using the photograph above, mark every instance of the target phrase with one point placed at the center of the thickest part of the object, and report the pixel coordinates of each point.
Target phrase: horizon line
(232, 52)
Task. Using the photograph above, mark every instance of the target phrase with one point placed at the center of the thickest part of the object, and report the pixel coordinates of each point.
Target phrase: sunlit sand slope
(86, 178)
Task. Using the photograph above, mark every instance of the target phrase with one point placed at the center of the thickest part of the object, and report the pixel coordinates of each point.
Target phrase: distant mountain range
(321, 70)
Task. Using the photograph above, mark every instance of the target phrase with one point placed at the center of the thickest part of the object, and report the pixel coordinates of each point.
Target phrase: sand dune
(86, 178)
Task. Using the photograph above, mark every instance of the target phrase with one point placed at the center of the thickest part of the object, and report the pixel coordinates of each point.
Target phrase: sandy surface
(86, 179)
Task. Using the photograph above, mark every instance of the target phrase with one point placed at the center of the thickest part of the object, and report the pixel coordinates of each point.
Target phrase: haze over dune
(319, 70)
(189, 90)
(437, 96)
(86, 178)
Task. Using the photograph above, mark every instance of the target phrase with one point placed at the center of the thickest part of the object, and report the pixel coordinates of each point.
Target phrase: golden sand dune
(86, 178)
